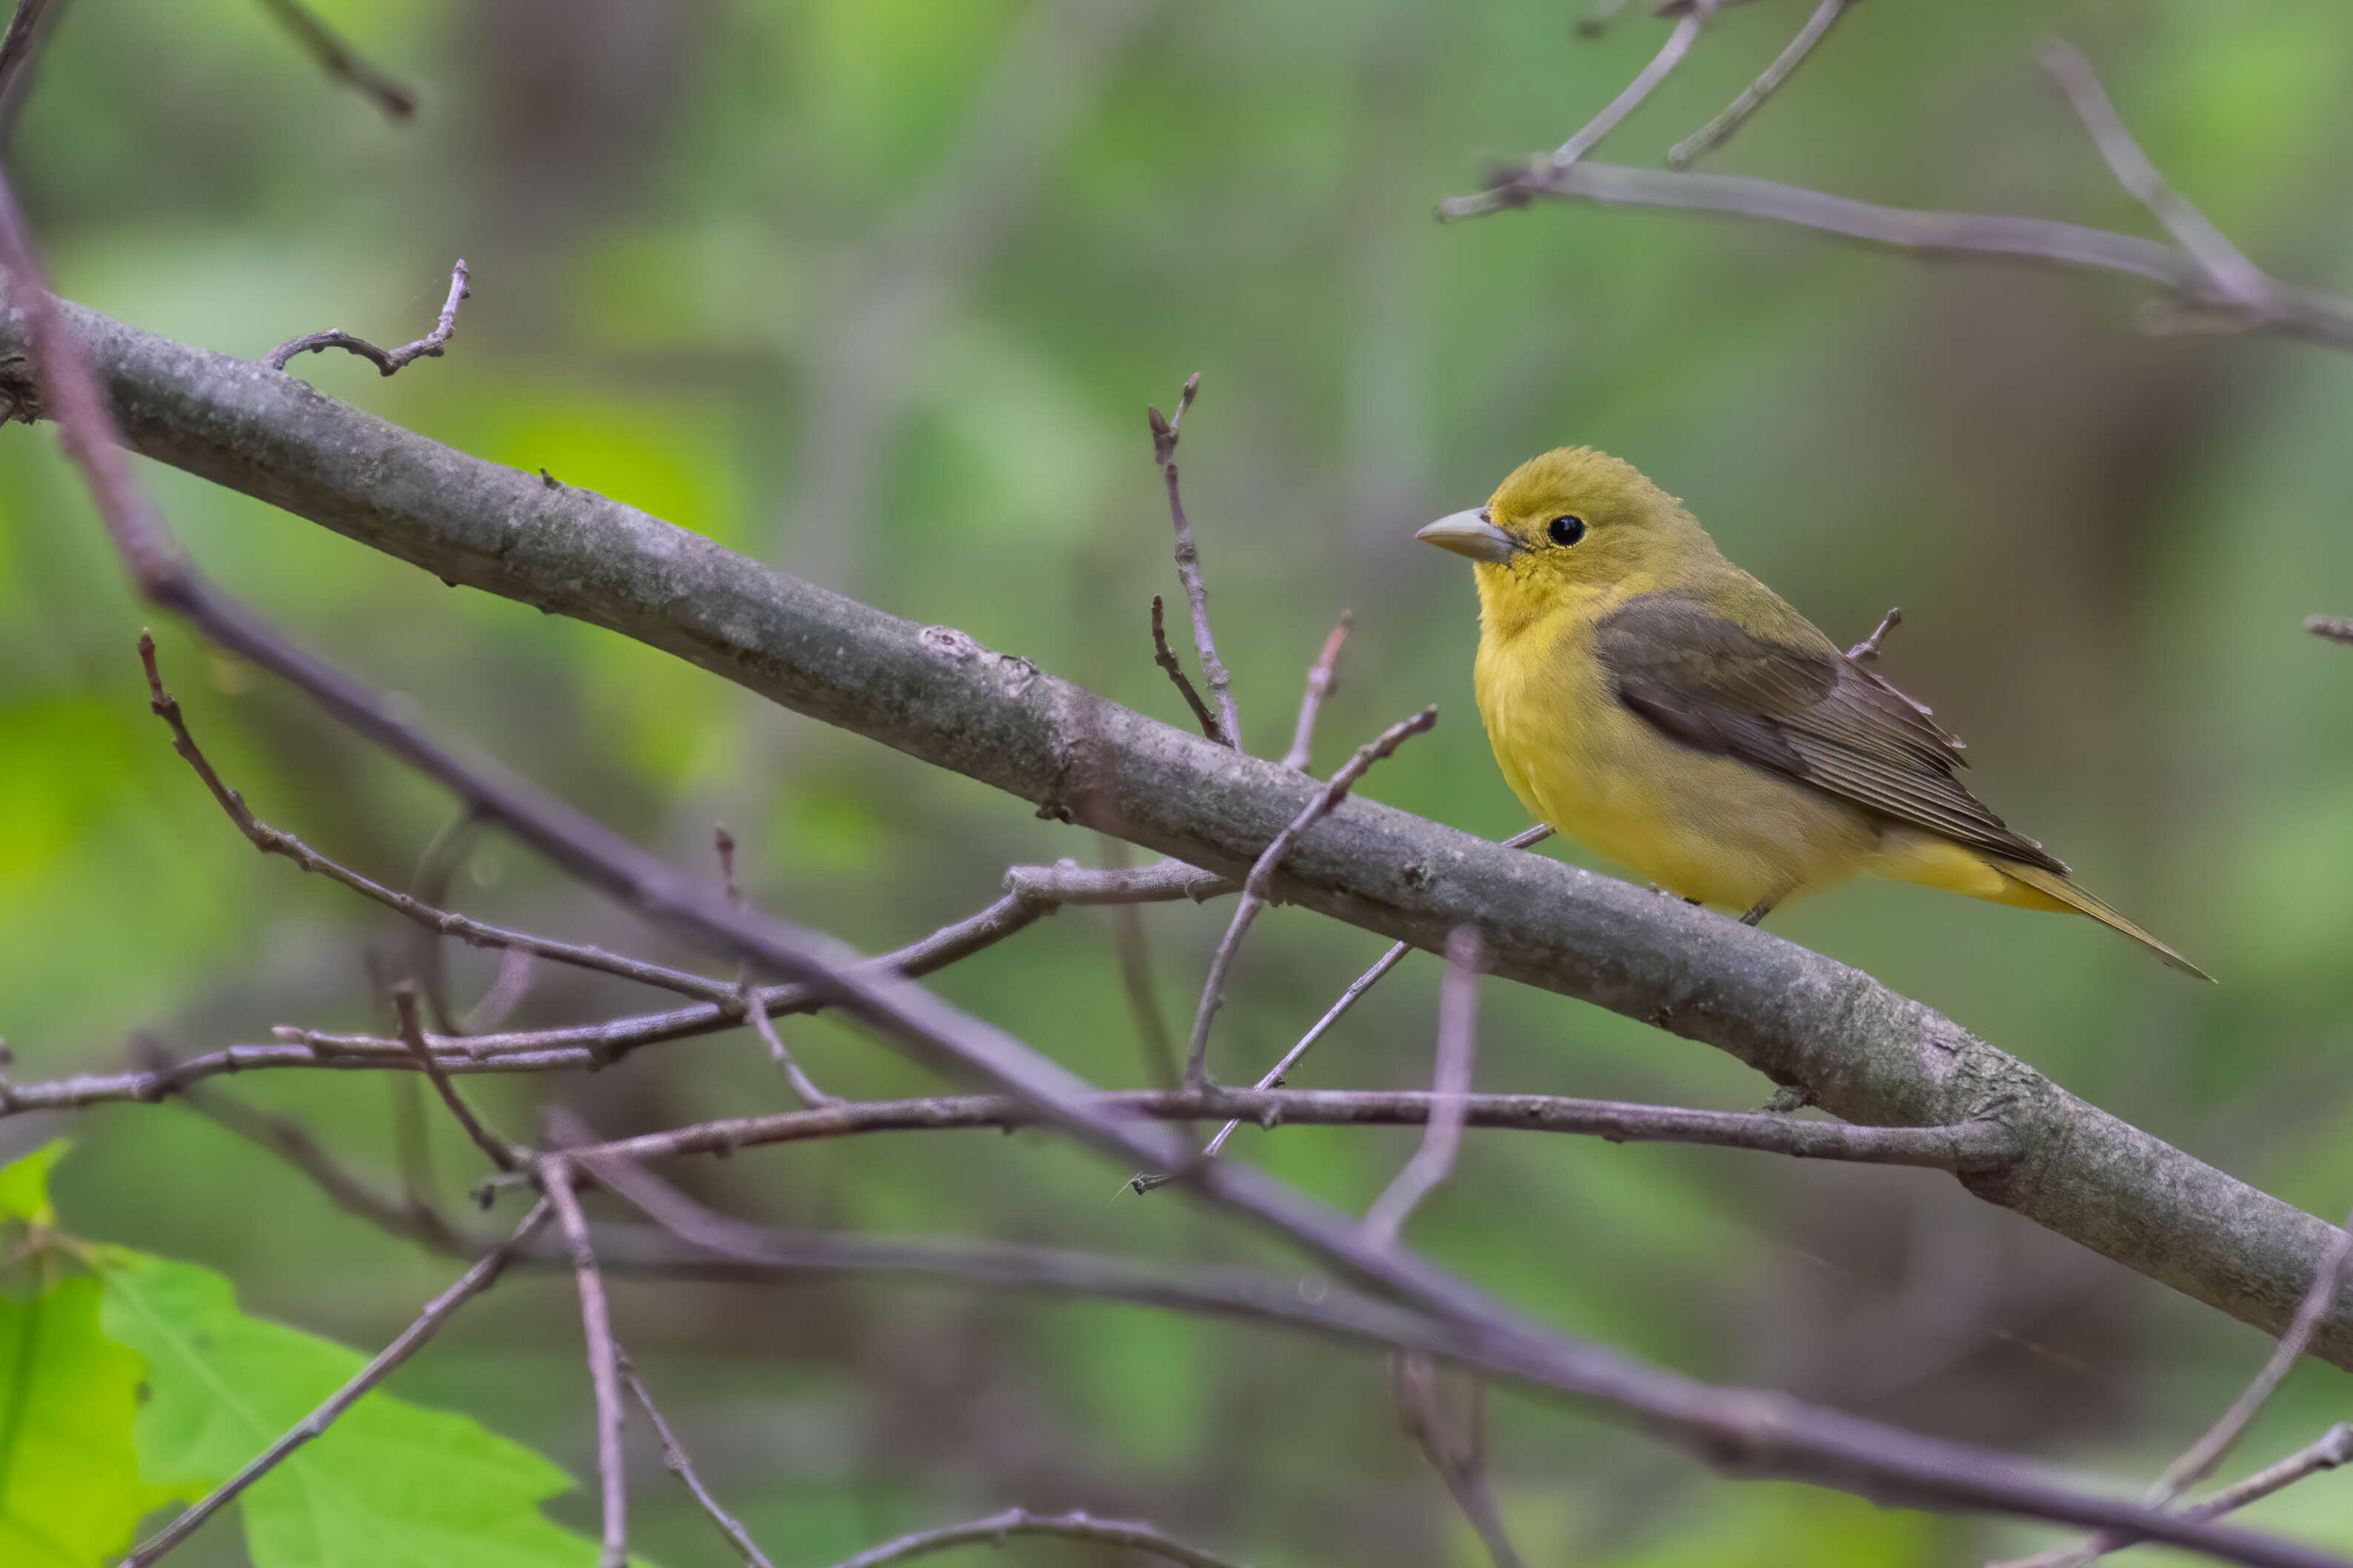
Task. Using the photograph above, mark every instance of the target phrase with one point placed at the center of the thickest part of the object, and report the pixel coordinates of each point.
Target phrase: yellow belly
(1710, 828)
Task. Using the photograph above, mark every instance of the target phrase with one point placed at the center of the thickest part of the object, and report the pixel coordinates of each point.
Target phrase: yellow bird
(1662, 707)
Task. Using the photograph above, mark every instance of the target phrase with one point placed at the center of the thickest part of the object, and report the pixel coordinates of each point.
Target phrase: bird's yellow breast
(1707, 827)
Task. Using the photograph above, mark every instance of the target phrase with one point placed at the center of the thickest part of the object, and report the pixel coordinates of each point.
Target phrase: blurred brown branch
(339, 61)
(2211, 282)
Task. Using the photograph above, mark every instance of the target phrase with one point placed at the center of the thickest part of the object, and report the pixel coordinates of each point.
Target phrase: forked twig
(752, 1000)
(1695, 17)
(1277, 1074)
(386, 360)
(1188, 564)
(1258, 887)
(2234, 279)
(2197, 1461)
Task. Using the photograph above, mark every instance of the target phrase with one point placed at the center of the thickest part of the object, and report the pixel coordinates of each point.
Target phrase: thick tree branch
(1860, 1051)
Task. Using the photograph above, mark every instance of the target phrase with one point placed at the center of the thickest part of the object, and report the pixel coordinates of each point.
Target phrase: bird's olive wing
(1809, 714)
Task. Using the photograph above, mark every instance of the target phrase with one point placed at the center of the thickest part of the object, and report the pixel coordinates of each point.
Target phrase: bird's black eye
(1564, 530)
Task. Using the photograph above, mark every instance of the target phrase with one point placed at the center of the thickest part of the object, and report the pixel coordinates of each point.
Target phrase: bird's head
(1572, 519)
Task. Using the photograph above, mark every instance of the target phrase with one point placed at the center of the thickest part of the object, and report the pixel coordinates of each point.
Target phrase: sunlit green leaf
(391, 1485)
(69, 1488)
(24, 1184)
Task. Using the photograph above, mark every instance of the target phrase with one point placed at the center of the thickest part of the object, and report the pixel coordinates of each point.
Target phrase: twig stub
(386, 360)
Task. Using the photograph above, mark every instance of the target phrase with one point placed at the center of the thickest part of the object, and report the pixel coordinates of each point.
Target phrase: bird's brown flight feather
(1806, 712)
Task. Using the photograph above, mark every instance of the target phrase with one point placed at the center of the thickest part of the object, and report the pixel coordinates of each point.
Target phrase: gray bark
(1854, 1047)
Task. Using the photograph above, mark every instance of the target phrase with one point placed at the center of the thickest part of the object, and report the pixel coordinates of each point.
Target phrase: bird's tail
(2062, 892)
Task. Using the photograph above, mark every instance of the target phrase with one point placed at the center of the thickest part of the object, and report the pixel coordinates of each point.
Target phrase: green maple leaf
(389, 1485)
(69, 1489)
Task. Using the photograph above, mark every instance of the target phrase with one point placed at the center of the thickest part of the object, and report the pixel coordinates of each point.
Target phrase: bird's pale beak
(1470, 533)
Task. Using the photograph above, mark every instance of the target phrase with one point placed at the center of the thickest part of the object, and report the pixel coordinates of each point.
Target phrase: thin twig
(2333, 1448)
(748, 996)
(1258, 887)
(2196, 1462)
(2331, 1451)
(1166, 658)
(994, 1530)
(1718, 131)
(339, 60)
(2232, 277)
(1867, 649)
(603, 1357)
(1276, 1075)
(1457, 1453)
(1320, 681)
(2335, 628)
(804, 1087)
(386, 360)
(1671, 55)
(1458, 1046)
(1189, 564)
(414, 1217)
(495, 1148)
(472, 1283)
(1966, 1146)
(1747, 1428)
(1037, 889)
(477, 934)
(675, 1458)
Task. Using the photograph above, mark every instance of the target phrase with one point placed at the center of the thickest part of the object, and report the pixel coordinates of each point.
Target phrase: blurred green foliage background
(877, 290)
